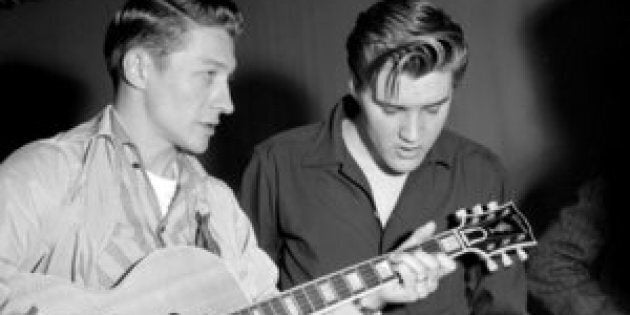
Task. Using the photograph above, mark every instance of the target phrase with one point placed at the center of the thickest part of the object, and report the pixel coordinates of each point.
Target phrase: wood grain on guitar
(189, 281)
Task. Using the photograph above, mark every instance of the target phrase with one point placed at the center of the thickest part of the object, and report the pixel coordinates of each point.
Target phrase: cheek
(383, 132)
(437, 124)
(191, 93)
(189, 90)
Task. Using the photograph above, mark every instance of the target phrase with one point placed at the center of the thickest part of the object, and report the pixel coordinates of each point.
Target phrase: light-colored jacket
(76, 211)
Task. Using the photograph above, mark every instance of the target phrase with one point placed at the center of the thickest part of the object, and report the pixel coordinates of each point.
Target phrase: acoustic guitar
(192, 281)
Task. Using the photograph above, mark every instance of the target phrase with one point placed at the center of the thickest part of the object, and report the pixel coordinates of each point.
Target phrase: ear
(137, 64)
(352, 87)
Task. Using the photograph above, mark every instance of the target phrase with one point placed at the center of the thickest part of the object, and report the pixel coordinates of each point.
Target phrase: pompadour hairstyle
(158, 25)
(404, 36)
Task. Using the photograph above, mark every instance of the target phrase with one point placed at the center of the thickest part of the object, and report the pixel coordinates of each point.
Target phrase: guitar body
(182, 280)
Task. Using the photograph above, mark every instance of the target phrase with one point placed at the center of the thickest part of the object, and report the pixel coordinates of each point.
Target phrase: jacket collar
(110, 128)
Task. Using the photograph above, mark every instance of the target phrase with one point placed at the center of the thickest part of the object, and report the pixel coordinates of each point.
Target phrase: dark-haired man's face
(189, 93)
(401, 130)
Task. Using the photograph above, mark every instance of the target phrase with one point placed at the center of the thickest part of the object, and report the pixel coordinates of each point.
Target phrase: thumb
(420, 235)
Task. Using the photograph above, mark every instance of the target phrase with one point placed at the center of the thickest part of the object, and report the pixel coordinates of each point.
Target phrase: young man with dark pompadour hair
(354, 186)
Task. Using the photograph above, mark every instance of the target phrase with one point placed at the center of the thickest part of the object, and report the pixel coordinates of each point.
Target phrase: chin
(403, 167)
(196, 148)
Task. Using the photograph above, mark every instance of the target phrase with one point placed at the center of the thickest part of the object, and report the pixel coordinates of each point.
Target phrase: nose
(411, 126)
(223, 101)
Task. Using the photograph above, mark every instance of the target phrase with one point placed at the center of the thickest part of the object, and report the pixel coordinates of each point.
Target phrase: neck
(157, 154)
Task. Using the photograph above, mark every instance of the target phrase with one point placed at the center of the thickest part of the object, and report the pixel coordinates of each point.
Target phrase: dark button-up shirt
(313, 212)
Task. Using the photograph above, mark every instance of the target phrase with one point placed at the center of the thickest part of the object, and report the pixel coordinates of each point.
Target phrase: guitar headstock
(493, 232)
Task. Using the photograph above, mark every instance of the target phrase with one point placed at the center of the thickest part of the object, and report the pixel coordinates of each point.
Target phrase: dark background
(543, 89)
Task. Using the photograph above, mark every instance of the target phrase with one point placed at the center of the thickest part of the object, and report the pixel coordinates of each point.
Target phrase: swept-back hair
(158, 26)
(404, 37)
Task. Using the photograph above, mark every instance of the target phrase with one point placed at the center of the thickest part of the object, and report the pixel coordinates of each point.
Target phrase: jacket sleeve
(258, 197)
(256, 271)
(503, 291)
(29, 181)
(560, 271)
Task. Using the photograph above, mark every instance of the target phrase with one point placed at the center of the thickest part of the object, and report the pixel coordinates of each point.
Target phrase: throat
(386, 190)
(385, 186)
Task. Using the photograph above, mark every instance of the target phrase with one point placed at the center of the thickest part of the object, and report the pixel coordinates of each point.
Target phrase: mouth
(409, 152)
(209, 127)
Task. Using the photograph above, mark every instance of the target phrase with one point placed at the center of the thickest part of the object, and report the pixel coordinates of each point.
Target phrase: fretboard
(328, 291)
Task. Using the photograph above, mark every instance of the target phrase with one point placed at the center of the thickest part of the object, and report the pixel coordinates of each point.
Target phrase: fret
(314, 296)
(354, 281)
(340, 286)
(384, 270)
(291, 304)
(302, 301)
(328, 293)
(369, 275)
(278, 307)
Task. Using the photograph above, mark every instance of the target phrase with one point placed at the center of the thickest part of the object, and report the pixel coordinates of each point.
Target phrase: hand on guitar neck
(418, 272)
(493, 233)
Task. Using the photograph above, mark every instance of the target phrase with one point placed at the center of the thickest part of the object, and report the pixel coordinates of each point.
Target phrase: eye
(433, 109)
(211, 76)
(390, 110)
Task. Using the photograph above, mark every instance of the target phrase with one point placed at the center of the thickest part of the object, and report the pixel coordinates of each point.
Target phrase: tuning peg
(492, 266)
(506, 260)
(460, 214)
(522, 255)
(493, 205)
(477, 209)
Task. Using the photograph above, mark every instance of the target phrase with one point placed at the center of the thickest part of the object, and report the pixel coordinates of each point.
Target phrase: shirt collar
(111, 128)
(330, 148)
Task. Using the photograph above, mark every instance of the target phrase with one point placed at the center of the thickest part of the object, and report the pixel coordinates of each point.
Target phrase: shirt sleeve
(258, 198)
(560, 271)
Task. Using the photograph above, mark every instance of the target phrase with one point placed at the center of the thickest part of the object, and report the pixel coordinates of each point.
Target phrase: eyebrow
(436, 103)
(213, 62)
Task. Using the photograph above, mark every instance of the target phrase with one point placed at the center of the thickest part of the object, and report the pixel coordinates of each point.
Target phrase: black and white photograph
(334, 157)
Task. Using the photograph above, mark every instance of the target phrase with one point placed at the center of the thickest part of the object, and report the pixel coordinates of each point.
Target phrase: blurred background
(541, 89)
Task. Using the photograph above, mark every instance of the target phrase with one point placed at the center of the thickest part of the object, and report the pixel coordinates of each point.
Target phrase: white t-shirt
(164, 190)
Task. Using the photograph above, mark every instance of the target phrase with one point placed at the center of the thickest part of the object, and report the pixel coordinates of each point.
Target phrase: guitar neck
(354, 281)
